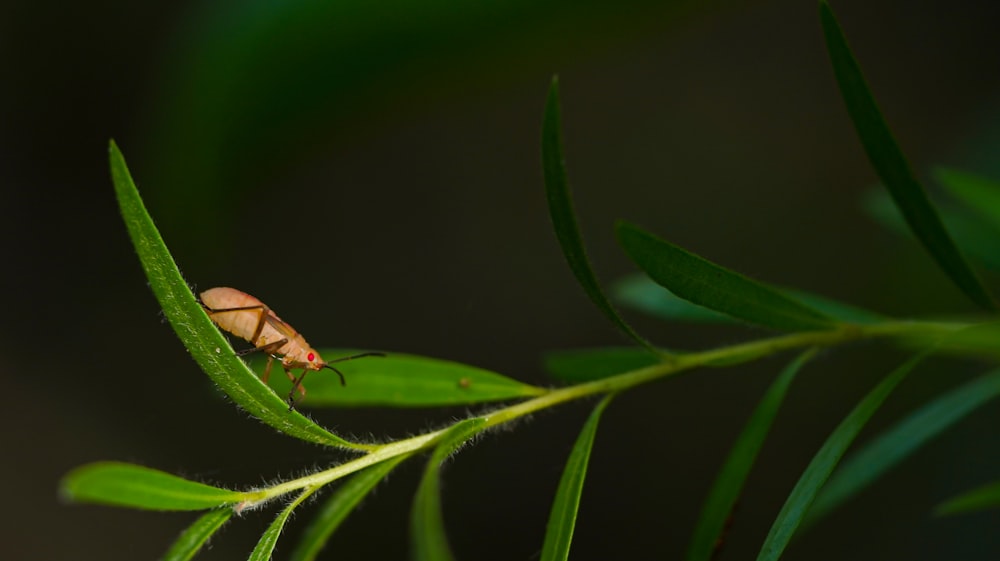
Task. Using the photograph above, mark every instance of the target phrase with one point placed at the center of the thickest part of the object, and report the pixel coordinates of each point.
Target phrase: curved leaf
(983, 498)
(729, 483)
(890, 163)
(205, 343)
(584, 365)
(121, 484)
(640, 293)
(428, 539)
(195, 536)
(564, 217)
(265, 546)
(706, 284)
(980, 194)
(402, 380)
(338, 507)
(825, 460)
(896, 444)
(562, 517)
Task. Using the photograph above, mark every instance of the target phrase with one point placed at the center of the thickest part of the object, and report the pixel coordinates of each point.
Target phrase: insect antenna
(339, 373)
(344, 358)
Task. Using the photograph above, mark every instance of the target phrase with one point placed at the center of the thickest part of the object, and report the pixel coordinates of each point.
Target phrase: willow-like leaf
(402, 380)
(129, 485)
(562, 517)
(896, 444)
(890, 163)
(564, 217)
(194, 537)
(983, 498)
(265, 546)
(428, 539)
(979, 193)
(706, 284)
(205, 343)
(338, 507)
(728, 484)
(824, 462)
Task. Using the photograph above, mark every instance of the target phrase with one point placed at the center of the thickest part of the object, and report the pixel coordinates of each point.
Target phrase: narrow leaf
(706, 284)
(205, 343)
(890, 163)
(428, 539)
(980, 194)
(896, 444)
(195, 536)
(973, 233)
(728, 484)
(121, 484)
(639, 292)
(584, 365)
(564, 217)
(402, 380)
(338, 507)
(983, 498)
(562, 517)
(265, 546)
(825, 460)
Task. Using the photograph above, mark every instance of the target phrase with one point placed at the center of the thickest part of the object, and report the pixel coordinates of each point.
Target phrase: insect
(248, 318)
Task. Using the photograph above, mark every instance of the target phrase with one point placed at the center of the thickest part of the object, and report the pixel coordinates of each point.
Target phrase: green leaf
(728, 484)
(983, 498)
(402, 380)
(562, 517)
(205, 343)
(890, 163)
(706, 284)
(564, 217)
(976, 235)
(195, 536)
(824, 462)
(584, 365)
(980, 194)
(896, 444)
(121, 484)
(980, 340)
(338, 507)
(428, 539)
(639, 292)
(265, 546)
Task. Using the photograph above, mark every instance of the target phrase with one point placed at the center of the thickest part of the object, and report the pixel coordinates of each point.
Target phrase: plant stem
(672, 364)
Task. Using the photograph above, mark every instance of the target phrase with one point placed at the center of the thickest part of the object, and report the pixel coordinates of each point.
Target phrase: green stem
(671, 365)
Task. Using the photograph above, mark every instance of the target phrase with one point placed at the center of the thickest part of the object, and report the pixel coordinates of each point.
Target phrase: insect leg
(296, 384)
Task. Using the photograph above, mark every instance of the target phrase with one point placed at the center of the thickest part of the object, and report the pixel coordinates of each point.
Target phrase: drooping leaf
(706, 284)
(824, 462)
(983, 498)
(205, 343)
(121, 484)
(564, 217)
(401, 380)
(641, 293)
(728, 484)
(338, 507)
(195, 536)
(979, 194)
(428, 539)
(891, 165)
(562, 517)
(265, 546)
(584, 365)
(896, 444)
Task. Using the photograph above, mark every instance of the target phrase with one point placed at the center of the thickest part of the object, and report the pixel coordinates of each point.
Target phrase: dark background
(373, 173)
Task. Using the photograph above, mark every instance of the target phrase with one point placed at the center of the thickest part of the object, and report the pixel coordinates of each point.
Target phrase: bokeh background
(372, 171)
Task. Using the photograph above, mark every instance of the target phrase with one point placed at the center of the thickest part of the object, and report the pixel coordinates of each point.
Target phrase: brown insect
(248, 318)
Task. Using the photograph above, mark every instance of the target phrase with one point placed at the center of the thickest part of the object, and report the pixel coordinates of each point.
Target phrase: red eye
(311, 357)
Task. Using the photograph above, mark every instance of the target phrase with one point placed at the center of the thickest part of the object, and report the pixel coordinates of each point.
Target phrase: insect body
(248, 318)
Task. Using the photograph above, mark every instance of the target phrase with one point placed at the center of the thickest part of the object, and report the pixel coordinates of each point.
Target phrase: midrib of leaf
(196, 331)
